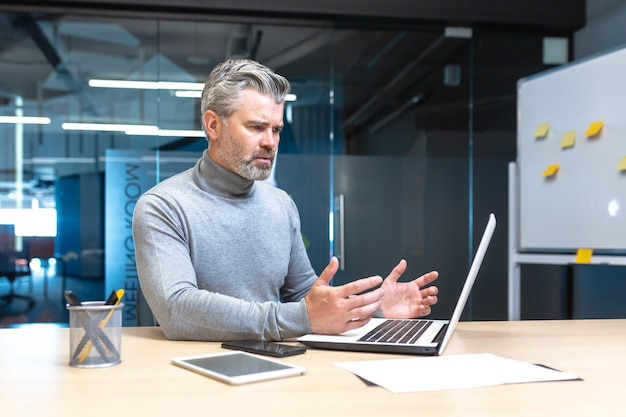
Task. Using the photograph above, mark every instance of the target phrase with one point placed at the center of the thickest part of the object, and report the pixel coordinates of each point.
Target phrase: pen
(114, 299)
(71, 298)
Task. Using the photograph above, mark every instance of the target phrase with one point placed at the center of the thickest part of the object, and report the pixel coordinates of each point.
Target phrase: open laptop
(413, 336)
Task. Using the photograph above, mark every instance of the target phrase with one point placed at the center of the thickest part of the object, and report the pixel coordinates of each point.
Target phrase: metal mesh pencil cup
(95, 334)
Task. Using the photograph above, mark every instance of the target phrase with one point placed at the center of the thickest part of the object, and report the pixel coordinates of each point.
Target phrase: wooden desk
(35, 379)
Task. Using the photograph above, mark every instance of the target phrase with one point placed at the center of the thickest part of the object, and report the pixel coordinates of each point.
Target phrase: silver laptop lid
(469, 281)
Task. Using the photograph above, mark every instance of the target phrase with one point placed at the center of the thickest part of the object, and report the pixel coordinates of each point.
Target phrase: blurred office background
(396, 145)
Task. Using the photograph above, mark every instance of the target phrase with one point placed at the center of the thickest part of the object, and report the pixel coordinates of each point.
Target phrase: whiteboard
(583, 204)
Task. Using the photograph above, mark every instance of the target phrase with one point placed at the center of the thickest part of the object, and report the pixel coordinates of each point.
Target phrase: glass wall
(378, 151)
(398, 199)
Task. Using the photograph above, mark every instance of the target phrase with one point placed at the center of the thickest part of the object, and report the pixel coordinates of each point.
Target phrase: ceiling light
(188, 93)
(141, 130)
(193, 90)
(25, 120)
(186, 133)
(170, 133)
(111, 127)
(137, 130)
(146, 85)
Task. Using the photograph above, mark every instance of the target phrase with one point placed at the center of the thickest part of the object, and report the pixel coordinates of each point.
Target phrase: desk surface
(36, 380)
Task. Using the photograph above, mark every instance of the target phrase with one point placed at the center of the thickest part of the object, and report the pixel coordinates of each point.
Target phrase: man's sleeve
(184, 312)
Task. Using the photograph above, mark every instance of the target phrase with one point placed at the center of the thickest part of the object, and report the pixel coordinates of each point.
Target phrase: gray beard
(249, 171)
(245, 168)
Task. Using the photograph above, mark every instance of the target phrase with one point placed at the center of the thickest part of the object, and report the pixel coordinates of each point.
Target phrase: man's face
(248, 142)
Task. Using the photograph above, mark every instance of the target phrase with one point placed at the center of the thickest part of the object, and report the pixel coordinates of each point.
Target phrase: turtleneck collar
(215, 179)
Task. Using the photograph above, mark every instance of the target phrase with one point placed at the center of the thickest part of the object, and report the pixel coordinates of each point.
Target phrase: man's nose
(270, 138)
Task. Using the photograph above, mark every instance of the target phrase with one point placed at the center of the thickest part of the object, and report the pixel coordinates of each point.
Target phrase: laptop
(409, 336)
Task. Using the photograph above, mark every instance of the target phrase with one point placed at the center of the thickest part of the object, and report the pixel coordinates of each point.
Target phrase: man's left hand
(412, 299)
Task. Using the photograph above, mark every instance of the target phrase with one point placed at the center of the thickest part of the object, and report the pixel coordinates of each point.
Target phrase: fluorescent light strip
(142, 130)
(146, 85)
(187, 90)
(111, 127)
(187, 133)
(188, 94)
(136, 130)
(27, 120)
(170, 133)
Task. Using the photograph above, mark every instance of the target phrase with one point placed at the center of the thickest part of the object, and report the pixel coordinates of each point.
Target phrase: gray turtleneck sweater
(220, 257)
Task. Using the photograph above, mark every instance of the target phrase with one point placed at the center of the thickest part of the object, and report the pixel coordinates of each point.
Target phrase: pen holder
(95, 334)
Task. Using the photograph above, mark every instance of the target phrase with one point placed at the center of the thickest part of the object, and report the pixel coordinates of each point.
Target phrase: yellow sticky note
(568, 140)
(594, 128)
(622, 164)
(551, 170)
(542, 130)
(583, 256)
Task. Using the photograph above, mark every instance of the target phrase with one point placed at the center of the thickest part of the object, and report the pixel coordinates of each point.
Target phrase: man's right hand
(334, 310)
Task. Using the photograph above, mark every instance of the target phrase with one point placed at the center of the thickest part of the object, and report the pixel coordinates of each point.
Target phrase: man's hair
(222, 90)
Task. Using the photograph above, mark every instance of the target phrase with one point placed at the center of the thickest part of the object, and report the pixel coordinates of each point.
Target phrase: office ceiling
(51, 56)
(48, 58)
(44, 57)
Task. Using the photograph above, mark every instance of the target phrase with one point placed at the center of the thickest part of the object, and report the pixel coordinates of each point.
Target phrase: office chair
(14, 265)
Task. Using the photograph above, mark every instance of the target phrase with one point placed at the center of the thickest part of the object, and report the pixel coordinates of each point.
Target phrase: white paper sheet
(435, 373)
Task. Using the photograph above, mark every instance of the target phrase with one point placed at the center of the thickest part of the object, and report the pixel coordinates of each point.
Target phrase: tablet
(238, 367)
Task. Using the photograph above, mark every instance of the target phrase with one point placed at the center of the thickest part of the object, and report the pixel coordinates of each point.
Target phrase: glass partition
(403, 180)
(378, 151)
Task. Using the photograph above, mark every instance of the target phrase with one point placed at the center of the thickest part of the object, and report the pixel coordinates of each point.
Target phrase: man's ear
(212, 125)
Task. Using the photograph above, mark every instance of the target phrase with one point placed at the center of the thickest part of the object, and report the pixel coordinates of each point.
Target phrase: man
(220, 255)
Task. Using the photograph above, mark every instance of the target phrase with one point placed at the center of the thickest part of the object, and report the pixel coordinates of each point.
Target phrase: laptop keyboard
(397, 331)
